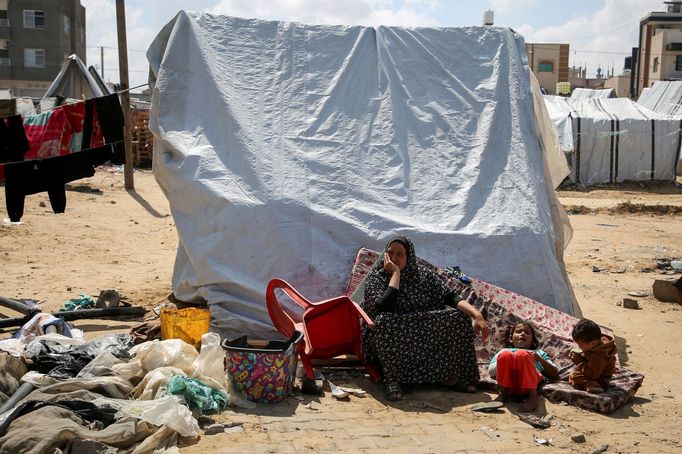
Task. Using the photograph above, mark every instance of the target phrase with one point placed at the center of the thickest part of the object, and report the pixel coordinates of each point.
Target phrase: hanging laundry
(49, 175)
(66, 144)
(110, 116)
(60, 131)
(44, 132)
(13, 141)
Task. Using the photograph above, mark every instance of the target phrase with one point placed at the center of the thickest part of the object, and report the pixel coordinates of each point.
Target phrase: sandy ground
(113, 239)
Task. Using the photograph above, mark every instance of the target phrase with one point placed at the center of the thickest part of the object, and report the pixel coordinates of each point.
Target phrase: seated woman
(423, 331)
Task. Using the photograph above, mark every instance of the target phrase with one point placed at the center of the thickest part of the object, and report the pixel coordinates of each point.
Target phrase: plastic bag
(197, 394)
(64, 361)
(167, 410)
(209, 367)
(100, 366)
(118, 344)
(152, 355)
(153, 384)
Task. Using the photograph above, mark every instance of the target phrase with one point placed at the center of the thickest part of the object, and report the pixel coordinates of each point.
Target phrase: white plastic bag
(166, 411)
(152, 383)
(152, 355)
(209, 367)
(100, 366)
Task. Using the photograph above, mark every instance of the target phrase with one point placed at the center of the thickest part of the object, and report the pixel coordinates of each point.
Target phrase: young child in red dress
(521, 366)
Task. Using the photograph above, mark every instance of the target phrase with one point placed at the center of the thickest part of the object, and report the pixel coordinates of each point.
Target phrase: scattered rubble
(578, 437)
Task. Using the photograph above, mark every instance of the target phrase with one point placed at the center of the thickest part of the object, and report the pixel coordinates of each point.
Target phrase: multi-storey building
(659, 55)
(549, 63)
(35, 36)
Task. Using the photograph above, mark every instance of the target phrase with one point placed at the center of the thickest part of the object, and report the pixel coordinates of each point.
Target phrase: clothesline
(131, 88)
(80, 100)
(45, 153)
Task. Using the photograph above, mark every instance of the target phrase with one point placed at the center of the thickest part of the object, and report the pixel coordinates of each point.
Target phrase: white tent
(74, 81)
(284, 147)
(664, 97)
(560, 110)
(615, 140)
(589, 93)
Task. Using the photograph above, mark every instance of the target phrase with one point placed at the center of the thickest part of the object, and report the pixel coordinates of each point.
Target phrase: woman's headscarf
(420, 288)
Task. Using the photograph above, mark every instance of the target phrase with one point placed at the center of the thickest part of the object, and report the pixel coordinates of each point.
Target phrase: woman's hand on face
(481, 327)
(389, 266)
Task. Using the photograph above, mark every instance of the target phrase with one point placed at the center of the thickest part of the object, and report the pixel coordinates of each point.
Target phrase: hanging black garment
(49, 174)
(110, 116)
(13, 141)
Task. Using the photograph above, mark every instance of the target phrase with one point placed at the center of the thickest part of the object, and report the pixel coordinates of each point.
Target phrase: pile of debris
(58, 391)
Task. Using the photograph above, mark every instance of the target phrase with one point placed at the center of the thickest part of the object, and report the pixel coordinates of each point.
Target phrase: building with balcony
(659, 55)
(549, 63)
(35, 37)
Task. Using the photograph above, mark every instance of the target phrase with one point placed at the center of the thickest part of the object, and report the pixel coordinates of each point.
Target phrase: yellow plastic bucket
(188, 324)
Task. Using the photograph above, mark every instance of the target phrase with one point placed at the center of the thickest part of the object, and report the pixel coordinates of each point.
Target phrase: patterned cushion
(502, 308)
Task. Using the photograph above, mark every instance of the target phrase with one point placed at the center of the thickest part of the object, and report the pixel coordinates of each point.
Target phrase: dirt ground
(113, 239)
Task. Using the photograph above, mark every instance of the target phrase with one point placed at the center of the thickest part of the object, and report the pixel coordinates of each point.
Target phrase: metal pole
(80, 314)
(125, 95)
(17, 306)
(23, 391)
(101, 61)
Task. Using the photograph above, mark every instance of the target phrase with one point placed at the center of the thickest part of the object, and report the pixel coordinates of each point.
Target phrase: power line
(602, 52)
(605, 33)
(116, 48)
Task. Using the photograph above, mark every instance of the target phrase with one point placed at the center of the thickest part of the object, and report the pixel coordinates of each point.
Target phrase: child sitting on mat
(521, 366)
(596, 362)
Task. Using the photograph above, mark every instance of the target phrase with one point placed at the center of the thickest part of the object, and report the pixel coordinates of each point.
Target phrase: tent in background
(284, 147)
(74, 81)
(616, 140)
(664, 97)
(98, 80)
(589, 93)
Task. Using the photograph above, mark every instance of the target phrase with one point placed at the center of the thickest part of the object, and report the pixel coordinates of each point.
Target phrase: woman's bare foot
(532, 403)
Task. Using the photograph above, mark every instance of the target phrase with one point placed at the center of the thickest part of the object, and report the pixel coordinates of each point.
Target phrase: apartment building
(549, 63)
(35, 37)
(659, 55)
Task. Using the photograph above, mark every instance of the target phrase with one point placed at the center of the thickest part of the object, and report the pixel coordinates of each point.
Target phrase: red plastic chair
(330, 328)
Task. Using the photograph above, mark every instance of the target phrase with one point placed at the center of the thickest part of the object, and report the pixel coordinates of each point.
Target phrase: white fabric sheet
(284, 147)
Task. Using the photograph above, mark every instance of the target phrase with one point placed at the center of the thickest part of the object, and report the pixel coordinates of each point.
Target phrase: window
(655, 65)
(546, 67)
(67, 25)
(4, 57)
(678, 63)
(4, 21)
(34, 58)
(34, 19)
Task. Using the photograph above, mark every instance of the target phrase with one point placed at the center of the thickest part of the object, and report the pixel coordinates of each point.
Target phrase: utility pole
(101, 61)
(125, 95)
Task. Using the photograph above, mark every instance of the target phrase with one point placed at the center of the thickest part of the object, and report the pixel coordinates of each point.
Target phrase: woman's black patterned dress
(421, 340)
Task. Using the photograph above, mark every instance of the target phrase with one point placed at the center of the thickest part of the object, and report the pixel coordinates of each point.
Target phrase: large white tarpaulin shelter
(284, 147)
(616, 140)
(664, 97)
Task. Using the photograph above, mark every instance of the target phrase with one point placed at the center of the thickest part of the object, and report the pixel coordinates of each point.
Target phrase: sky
(601, 33)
